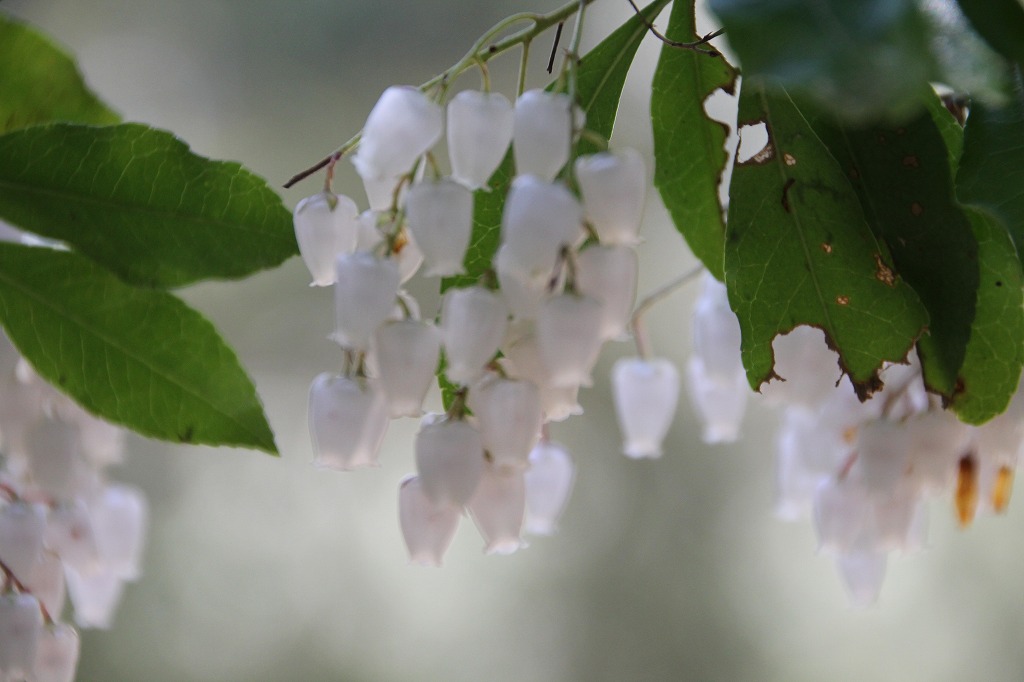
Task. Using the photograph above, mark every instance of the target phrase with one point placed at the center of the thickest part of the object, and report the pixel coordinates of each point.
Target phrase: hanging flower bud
(863, 573)
(449, 460)
(428, 527)
(363, 298)
(509, 414)
(46, 583)
(569, 338)
(440, 217)
(473, 323)
(347, 421)
(69, 533)
(95, 597)
(523, 360)
(57, 654)
(22, 526)
(402, 126)
(549, 482)
(119, 520)
(522, 291)
(498, 508)
(21, 624)
(325, 225)
(479, 132)
(719, 405)
(407, 352)
(609, 275)
(372, 226)
(54, 459)
(538, 219)
(542, 136)
(645, 393)
(613, 187)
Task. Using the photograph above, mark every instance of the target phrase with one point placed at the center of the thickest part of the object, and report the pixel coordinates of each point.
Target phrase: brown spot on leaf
(916, 208)
(186, 435)
(911, 161)
(883, 273)
(843, 300)
(789, 159)
(766, 154)
(826, 247)
(785, 194)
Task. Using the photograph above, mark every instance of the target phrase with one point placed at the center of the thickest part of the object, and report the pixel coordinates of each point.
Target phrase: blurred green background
(265, 569)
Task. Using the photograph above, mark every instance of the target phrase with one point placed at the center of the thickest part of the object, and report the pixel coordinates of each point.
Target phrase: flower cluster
(516, 345)
(64, 527)
(863, 472)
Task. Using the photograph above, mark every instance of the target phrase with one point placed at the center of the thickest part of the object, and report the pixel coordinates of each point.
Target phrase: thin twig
(554, 46)
(695, 46)
(636, 323)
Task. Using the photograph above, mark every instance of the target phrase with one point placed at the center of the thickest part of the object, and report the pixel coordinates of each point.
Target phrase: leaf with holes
(799, 252)
(137, 201)
(859, 59)
(689, 147)
(41, 84)
(901, 175)
(137, 357)
(601, 74)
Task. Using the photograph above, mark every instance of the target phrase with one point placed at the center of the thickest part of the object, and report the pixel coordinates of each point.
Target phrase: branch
(695, 46)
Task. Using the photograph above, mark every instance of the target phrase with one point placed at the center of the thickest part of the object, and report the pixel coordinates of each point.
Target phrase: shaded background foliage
(263, 569)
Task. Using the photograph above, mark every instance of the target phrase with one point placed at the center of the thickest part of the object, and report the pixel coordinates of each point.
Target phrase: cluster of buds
(65, 529)
(516, 345)
(863, 472)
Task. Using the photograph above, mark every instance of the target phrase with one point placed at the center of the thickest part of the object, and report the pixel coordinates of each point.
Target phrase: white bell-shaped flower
(609, 274)
(479, 132)
(363, 298)
(95, 597)
(498, 508)
(403, 125)
(509, 414)
(645, 392)
(613, 186)
(22, 528)
(863, 573)
(101, 442)
(57, 654)
(21, 624)
(46, 583)
(569, 337)
(542, 134)
(549, 482)
(440, 217)
(406, 353)
(719, 405)
(523, 360)
(372, 226)
(380, 193)
(883, 454)
(347, 421)
(325, 225)
(811, 447)
(716, 332)
(522, 291)
(69, 533)
(449, 460)
(428, 527)
(119, 521)
(473, 324)
(937, 442)
(539, 218)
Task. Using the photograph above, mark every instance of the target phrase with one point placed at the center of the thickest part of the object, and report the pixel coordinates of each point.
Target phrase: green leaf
(903, 181)
(600, 77)
(995, 352)
(689, 147)
(41, 84)
(861, 60)
(799, 252)
(136, 357)
(991, 171)
(1000, 23)
(138, 202)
